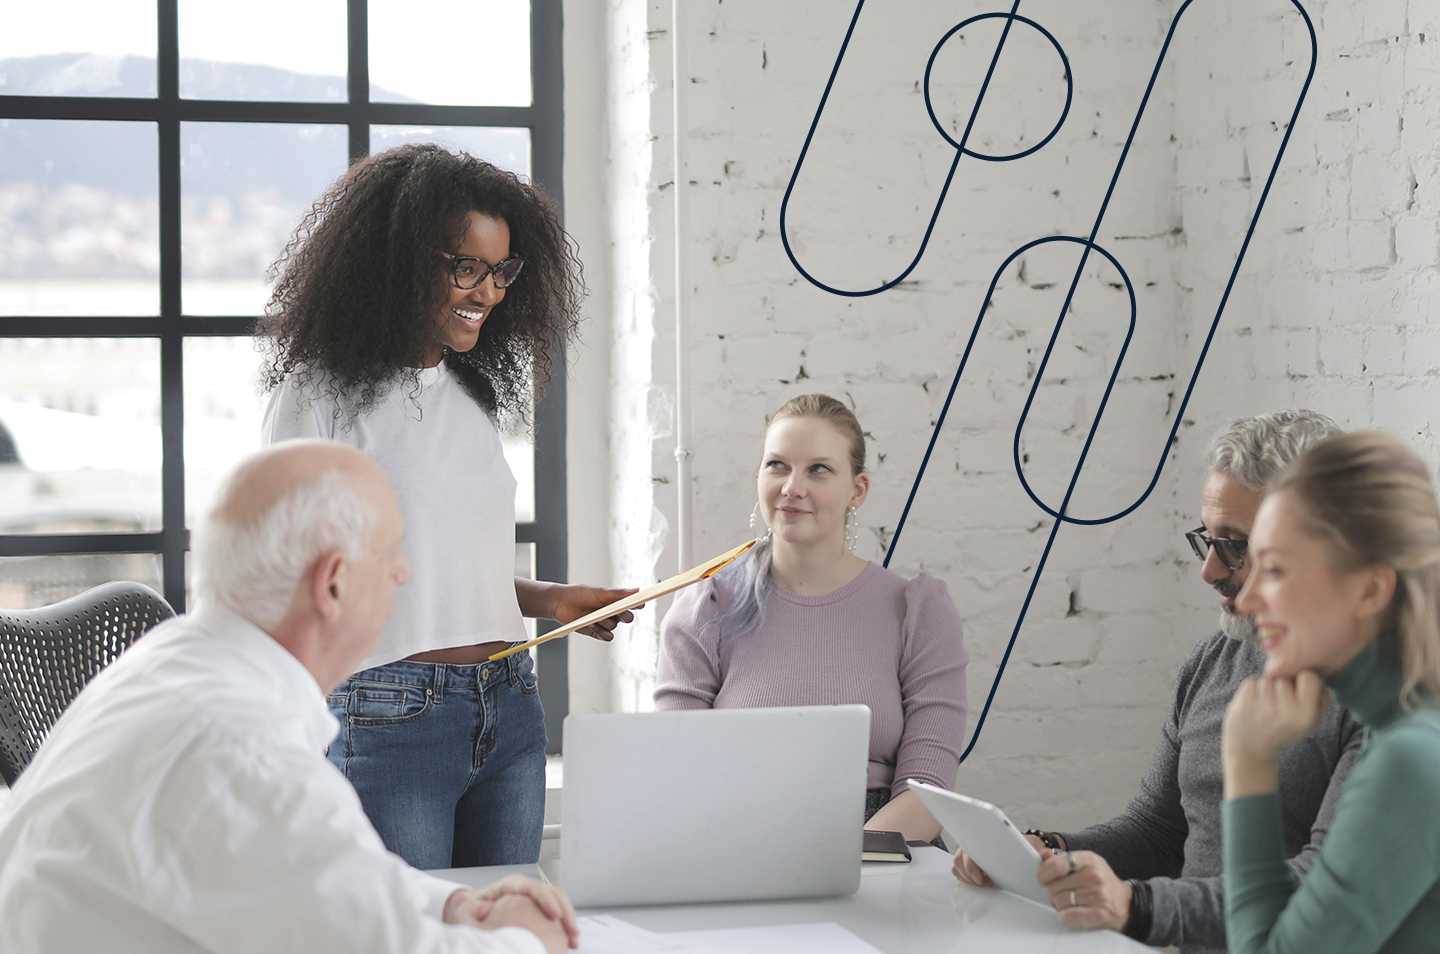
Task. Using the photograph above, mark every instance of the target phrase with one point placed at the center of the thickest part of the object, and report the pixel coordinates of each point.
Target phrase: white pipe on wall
(684, 527)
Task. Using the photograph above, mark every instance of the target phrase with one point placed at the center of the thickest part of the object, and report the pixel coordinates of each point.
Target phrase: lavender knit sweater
(891, 644)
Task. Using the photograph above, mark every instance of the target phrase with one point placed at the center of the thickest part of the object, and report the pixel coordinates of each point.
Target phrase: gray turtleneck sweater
(1169, 835)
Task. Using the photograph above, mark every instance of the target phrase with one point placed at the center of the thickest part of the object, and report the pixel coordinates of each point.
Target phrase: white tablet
(985, 834)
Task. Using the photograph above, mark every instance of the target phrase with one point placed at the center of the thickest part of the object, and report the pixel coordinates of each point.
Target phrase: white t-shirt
(182, 805)
(443, 456)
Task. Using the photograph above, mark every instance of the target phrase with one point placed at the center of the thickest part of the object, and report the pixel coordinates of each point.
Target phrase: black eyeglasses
(467, 271)
(1231, 552)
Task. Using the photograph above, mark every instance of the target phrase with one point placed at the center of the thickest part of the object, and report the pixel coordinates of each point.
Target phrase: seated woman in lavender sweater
(804, 621)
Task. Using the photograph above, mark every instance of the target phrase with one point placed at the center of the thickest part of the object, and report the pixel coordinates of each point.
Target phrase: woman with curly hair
(411, 307)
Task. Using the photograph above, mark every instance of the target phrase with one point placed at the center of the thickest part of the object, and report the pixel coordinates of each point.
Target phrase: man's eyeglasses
(1230, 552)
(467, 271)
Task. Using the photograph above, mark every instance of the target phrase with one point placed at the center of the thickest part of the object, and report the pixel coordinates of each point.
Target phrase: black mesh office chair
(47, 655)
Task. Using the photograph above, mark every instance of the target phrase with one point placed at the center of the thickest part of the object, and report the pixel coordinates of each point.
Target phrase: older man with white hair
(1154, 871)
(183, 802)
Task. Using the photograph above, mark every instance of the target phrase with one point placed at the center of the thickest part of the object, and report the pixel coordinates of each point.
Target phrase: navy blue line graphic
(960, 147)
(959, 151)
(1060, 515)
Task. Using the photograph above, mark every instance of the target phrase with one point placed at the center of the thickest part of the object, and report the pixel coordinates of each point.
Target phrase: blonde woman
(804, 621)
(1345, 592)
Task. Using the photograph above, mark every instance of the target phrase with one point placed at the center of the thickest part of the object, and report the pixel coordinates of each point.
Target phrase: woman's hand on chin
(1266, 715)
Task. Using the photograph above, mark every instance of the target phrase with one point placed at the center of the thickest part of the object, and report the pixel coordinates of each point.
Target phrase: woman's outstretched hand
(574, 601)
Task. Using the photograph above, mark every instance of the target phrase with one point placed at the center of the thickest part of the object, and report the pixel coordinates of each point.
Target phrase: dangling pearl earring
(851, 537)
(756, 521)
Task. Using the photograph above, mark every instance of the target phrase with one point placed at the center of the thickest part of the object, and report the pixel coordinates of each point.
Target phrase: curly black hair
(359, 282)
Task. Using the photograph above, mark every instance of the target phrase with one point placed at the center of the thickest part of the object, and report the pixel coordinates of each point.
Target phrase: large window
(154, 157)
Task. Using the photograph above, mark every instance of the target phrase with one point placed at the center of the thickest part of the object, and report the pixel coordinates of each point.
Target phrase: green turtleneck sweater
(1376, 884)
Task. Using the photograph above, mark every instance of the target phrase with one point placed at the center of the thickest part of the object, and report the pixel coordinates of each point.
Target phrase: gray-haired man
(182, 804)
(1154, 871)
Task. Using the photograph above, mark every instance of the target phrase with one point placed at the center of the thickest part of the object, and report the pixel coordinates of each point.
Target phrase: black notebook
(884, 846)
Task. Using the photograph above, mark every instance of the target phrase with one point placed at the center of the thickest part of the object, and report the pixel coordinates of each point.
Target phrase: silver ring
(1072, 898)
(1070, 858)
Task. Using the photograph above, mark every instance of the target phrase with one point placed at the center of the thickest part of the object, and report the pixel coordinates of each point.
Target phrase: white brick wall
(1331, 308)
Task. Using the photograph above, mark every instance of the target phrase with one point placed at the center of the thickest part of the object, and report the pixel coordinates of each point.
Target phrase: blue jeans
(449, 761)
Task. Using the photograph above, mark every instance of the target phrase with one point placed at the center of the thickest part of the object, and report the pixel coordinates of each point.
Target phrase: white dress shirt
(444, 457)
(183, 803)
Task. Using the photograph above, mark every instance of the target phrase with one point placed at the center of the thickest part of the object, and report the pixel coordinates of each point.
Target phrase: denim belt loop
(437, 682)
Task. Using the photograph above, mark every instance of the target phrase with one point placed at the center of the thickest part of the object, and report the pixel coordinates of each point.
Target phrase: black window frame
(543, 118)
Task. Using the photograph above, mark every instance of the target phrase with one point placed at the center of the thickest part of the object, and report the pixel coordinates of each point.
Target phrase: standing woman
(1345, 592)
(803, 621)
(415, 300)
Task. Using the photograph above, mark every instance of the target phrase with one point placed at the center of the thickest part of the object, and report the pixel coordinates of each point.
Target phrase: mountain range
(80, 199)
(66, 151)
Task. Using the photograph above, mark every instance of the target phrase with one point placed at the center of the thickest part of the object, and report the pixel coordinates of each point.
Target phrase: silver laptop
(713, 805)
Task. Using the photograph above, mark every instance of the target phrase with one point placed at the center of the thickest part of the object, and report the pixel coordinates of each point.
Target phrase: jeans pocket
(386, 704)
(524, 674)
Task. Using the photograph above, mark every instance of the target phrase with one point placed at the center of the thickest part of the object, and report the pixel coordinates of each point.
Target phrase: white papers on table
(605, 934)
(824, 938)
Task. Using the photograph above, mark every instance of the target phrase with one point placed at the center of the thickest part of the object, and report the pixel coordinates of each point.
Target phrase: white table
(913, 908)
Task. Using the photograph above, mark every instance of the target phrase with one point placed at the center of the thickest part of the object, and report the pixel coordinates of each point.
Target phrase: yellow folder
(678, 582)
